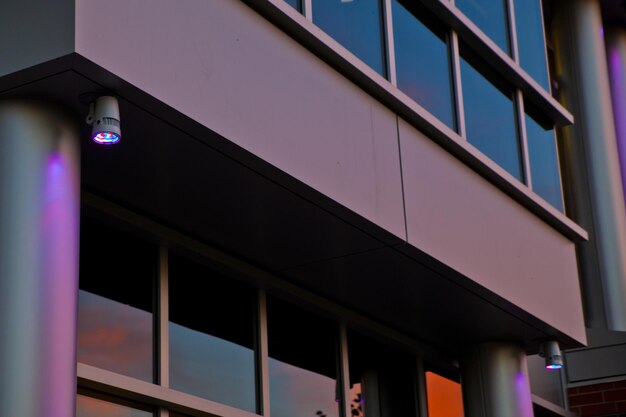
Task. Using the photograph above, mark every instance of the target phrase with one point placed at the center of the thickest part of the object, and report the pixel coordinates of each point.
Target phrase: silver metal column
(615, 38)
(39, 226)
(591, 158)
(494, 379)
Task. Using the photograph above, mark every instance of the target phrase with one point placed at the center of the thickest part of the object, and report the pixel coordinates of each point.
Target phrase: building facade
(323, 208)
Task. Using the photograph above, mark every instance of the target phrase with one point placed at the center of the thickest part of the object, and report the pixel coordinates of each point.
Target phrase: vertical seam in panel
(406, 226)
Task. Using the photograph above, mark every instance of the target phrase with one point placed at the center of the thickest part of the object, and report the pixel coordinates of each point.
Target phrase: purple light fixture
(552, 353)
(104, 117)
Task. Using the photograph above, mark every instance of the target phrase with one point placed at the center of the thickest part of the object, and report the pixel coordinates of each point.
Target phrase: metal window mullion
(389, 41)
(308, 9)
(456, 80)
(521, 122)
(263, 355)
(513, 30)
(422, 398)
(164, 317)
(163, 412)
(344, 367)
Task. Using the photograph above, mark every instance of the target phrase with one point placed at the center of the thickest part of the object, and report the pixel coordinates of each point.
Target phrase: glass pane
(357, 25)
(296, 4)
(381, 379)
(93, 407)
(115, 301)
(427, 81)
(444, 396)
(491, 17)
(211, 335)
(544, 162)
(530, 40)
(303, 369)
(490, 119)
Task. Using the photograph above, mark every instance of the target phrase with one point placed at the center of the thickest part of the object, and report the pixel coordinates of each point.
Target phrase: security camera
(552, 353)
(104, 117)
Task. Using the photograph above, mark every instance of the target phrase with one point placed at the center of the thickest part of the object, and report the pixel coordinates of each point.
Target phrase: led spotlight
(552, 353)
(104, 117)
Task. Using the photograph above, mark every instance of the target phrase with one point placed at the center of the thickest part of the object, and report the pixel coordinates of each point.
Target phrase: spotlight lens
(554, 366)
(106, 138)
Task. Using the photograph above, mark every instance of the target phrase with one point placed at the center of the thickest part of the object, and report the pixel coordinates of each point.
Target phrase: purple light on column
(555, 366)
(106, 138)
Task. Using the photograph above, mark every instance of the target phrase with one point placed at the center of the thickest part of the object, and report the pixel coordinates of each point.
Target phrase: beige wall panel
(231, 70)
(467, 223)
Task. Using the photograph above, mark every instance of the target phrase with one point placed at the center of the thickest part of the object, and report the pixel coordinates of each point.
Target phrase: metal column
(592, 159)
(494, 378)
(39, 232)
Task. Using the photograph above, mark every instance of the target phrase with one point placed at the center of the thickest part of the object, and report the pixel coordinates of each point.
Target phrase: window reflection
(530, 40)
(382, 379)
(93, 407)
(357, 25)
(302, 364)
(427, 81)
(115, 301)
(490, 116)
(211, 335)
(444, 396)
(491, 17)
(296, 4)
(544, 161)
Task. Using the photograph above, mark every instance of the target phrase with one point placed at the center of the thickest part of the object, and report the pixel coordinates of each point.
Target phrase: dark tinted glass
(355, 24)
(296, 4)
(490, 119)
(490, 16)
(93, 407)
(211, 335)
(422, 59)
(544, 162)
(303, 370)
(530, 40)
(382, 379)
(115, 302)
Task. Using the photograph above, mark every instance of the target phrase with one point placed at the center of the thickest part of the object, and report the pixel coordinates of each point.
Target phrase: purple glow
(106, 138)
(554, 366)
(602, 31)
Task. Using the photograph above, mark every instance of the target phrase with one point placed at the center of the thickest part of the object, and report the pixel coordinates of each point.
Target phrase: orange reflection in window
(444, 396)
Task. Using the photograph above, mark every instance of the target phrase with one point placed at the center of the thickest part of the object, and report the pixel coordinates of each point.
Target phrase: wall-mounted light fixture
(552, 353)
(104, 117)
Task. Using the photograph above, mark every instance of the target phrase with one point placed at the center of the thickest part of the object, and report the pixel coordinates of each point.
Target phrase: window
(418, 34)
(444, 396)
(357, 25)
(382, 379)
(491, 17)
(296, 4)
(211, 335)
(530, 40)
(490, 116)
(302, 363)
(115, 303)
(544, 160)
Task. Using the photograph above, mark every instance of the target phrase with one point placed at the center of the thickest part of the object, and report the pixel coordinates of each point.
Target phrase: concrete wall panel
(228, 68)
(464, 221)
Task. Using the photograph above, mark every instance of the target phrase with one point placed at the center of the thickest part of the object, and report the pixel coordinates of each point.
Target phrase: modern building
(317, 208)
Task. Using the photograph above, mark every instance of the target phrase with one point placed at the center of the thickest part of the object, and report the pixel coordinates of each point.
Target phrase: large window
(490, 115)
(491, 17)
(417, 35)
(357, 25)
(445, 398)
(115, 304)
(531, 41)
(94, 407)
(211, 335)
(302, 363)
